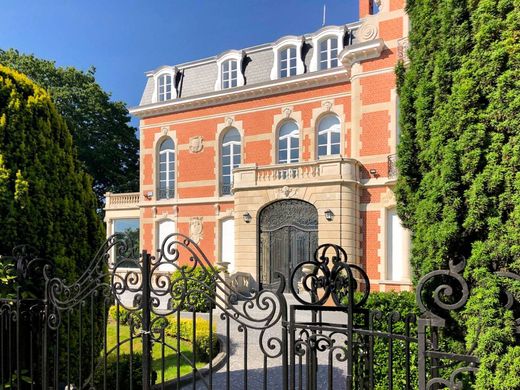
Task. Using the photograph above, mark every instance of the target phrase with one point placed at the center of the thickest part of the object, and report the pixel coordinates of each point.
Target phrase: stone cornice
(296, 83)
(360, 52)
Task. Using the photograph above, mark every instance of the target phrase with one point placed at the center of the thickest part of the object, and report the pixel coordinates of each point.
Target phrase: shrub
(122, 370)
(202, 333)
(386, 303)
(194, 289)
(124, 314)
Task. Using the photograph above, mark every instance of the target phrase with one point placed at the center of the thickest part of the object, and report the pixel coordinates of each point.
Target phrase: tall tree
(459, 161)
(107, 144)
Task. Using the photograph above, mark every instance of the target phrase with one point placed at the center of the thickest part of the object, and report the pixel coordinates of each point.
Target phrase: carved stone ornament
(196, 144)
(164, 130)
(196, 229)
(388, 198)
(327, 105)
(229, 121)
(287, 112)
(286, 192)
(367, 32)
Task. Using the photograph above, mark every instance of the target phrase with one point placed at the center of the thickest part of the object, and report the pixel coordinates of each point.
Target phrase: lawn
(170, 356)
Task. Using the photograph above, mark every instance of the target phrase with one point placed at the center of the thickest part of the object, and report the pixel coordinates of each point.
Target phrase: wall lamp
(247, 217)
(329, 215)
(373, 172)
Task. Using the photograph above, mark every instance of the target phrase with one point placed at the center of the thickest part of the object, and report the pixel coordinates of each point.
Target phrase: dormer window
(327, 43)
(328, 53)
(287, 58)
(229, 70)
(164, 87)
(164, 84)
(288, 62)
(229, 74)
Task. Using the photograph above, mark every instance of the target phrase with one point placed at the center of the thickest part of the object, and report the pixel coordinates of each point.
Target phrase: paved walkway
(245, 351)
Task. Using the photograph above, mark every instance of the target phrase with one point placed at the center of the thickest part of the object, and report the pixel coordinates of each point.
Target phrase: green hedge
(194, 289)
(202, 339)
(123, 369)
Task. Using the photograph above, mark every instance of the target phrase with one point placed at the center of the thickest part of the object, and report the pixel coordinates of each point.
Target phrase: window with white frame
(328, 53)
(228, 243)
(230, 159)
(130, 228)
(166, 185)
(288, 62)
(396, 256)
(288, 143)
(329, 136)
(164, 229)
(229, 74)
(164, 87)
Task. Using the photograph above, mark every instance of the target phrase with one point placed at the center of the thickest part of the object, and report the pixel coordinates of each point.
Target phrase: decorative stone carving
(287, 112)
(196, 144)
(165, 129)
(403, 45)
(196, 229)
(229, 121)
(388, 198)
(367, 32)
(286, 192)
(327, 105)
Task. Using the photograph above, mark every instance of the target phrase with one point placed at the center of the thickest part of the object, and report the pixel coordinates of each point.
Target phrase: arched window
(166, 187)
(328, 53)
(164, 87)
(288, 62)
(288, 143)
(328, 136)
(230, 159)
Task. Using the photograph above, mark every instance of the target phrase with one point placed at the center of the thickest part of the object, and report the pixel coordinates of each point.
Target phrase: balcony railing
(336, 168)
(122, 201)
(226, 189)
(165, 193)
(392, 166)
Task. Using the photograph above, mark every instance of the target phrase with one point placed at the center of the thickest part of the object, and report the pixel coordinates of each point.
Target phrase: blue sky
(123, 39)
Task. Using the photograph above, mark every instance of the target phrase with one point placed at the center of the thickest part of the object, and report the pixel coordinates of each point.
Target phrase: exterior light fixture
(373, 172)
(247, 217)
(329, 215)
(149, 195)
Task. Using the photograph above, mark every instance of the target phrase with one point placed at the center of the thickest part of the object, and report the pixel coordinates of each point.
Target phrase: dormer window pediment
(230, 73)
(287, 57)
(327, 43)
(165, 87)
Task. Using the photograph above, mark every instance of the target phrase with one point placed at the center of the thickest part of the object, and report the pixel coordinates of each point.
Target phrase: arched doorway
(288, 232)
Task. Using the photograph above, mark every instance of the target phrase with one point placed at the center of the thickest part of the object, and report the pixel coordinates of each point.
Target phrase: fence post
(146, 331)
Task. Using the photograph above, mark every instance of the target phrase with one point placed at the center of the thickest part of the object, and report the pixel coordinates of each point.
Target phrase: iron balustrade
(392, 166)
(165, 193)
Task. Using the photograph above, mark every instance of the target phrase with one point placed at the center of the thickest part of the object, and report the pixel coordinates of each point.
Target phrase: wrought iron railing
(392, 166)
(226, 188)
(165, 193)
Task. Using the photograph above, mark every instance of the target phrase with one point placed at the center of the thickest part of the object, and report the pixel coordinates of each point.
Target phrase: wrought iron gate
(321, 335)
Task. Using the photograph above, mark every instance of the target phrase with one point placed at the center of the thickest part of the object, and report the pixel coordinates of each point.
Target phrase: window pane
(233, 65)
(225, 66)
(226, 170)
(282, 156)
(322, 150)
(283, 144)
(283, 73)
(334, 63)
(225, 160)
(162, 176)
(334, 149)
(167, 144)
(162, 157)
(322, 139)
(323, 46)
(328, 122)
(323, 56)
(292, 52)
(226, 84)
(334, 138)
(231, 135)
(283, 55)
(171, 166)
(294, 155)
(333, 43)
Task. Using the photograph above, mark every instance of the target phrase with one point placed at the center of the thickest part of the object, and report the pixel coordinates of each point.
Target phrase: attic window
(288, 62)
(229, 74)
(164, 87)
(328, 53)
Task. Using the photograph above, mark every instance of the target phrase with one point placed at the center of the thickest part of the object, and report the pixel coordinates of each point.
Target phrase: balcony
(328, 169)
(128, 200)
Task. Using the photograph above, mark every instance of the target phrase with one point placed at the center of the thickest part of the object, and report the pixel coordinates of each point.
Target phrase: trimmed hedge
(202, 332)
(198, 284)
(122, 370)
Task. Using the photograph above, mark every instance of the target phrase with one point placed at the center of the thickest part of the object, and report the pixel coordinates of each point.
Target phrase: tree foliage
(107, 145)
(459, 159)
